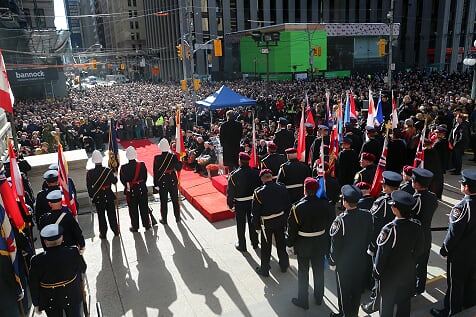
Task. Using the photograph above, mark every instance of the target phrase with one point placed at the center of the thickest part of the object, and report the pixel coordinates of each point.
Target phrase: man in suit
(283, 138)
(230, 136)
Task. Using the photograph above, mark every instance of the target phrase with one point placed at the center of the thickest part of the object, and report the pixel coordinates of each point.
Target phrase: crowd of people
(279, 197)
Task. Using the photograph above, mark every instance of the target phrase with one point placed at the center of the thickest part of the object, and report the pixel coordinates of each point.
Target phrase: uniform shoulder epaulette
(459, 211)
(336, 226)
(418, 222)
(386, 233)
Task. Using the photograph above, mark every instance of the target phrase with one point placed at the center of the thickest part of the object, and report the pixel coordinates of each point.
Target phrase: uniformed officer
(72, 233)
(239, 193)
(347, 163)
(283, 138)
(55, 276)
(425, 207)
(166, 166)
(292, 175)
(72, 186)
(273, 160)
(367, 173)
(270, 206)
(133, 176)
(308, 224)
(399, 246)
(98, 183)
(407, 180)
(367, 200)
(459, 251)
(350, 235)
(373, 144)
(41, 206)
(381, 215)
(314, 150)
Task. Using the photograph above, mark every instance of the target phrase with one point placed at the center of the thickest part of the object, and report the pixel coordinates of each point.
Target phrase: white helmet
(131, 153)
(96, 157)
(164, 145)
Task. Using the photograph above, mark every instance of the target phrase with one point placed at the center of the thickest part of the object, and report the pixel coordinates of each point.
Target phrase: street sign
(265, 50)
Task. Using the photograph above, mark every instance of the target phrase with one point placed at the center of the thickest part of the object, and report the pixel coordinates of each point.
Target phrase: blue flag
(379, 116)
(347, 110)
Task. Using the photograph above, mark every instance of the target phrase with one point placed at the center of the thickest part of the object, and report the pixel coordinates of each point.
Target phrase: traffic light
(93, 64)
(183, 84)
(196, 84)
(381, 47)
(179, 51)
(317, 50)
(187, 52)
(123, 67)
(217, 48)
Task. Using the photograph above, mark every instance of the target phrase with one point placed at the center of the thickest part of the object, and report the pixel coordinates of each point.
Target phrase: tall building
(433, 34)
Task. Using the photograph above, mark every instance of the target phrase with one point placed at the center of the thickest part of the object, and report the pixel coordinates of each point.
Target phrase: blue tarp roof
(224, 98)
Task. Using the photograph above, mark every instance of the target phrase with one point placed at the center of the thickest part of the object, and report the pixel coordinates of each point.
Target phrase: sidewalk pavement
(191, 268)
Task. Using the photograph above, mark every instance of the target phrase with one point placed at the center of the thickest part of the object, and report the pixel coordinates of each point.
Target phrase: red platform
(220, 183)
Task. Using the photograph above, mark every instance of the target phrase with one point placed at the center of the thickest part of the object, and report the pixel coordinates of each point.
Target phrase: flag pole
(116, 204)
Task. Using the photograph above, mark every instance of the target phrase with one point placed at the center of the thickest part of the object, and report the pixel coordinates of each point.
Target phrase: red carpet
(198, 190)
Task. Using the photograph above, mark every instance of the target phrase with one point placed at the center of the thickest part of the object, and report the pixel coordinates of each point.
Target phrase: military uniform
(239, 193)
(292, 175)
(350, 235)
(41, 203)
(55, 280)
(269, 209)
(308, 225)
(98, 182)
(133, 176)
(366, 174)
(398, 247)
(273, 161)
(166, 166)
(283, 138)
(347, 165)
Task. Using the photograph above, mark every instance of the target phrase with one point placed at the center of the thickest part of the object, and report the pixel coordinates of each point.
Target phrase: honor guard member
(166, 166)
(399, 246)
(367, 199)
(425, 207)
(381, 215)
(307, 235)
(292, 174)
(372, 145)
(350, 235)
(41, 206)
(72, 233)
(72, 187)
(347, 163)
(367, 173)
(133, 176)
(407, 185)
(308, 141)
(270, 206)
(322, 134)
(55, 276)
(459, 251)
(273, 160)
(239, 193)
(98, 182)
(283, 138)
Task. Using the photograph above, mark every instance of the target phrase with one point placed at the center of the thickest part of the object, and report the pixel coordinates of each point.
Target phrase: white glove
(332, 267)
(290, 250)
(232, 209)
(37, 310)
(443, 257)
(81, 251)
(258, 231)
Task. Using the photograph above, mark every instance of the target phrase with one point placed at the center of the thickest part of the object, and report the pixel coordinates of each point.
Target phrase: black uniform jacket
(98, 182)
(135, 186)
(268, 199)
(241, 185)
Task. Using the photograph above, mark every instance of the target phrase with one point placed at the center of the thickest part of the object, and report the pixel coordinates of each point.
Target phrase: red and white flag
(179, 144)
(382, 164)
(420, 153)
(394, 113)
(372, 113)
(253, 157)
(6, 95)
(301, 146)
(17, 181)
(66, 188)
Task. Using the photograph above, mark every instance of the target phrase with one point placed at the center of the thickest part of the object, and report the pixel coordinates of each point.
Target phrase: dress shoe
(369, 308)
(132, 229)
(178, 219)
(240, 248)
(163, 221)
(439, 312)
(284, 269)
(102, 236)
(298, 303)
(261, 272)
(332, 314)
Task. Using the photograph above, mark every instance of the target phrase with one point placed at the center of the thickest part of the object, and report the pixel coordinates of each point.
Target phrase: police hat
(282, 120)
(351, 193)
(51, 176)
(265, 171)
(54, 196)
(403, 201)
(323, 127)
(370, 129)
(309, 126)
(53, 166)
(391, 178)
(422, 176)
(441, 128)
(468, 177)
(349, 125)
(347, 140)
(51, 232)
(7, 161)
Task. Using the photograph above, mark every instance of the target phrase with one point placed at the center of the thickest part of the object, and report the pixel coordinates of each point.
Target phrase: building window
(129, 3)
(131, 24)
(40, 18)
(137, 36)
(137, 24)
(130, 13)
(133, 47)
(27, 14)
(135, 13)
(140, 46)
(134, 3)
(133, 36)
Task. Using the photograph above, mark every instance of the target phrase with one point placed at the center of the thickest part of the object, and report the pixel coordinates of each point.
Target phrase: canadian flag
(6, 95)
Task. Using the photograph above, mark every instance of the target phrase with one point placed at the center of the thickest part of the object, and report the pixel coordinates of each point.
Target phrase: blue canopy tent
(224, 98)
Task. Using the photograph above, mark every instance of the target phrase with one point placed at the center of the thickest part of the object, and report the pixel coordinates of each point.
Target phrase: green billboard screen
(291, 55)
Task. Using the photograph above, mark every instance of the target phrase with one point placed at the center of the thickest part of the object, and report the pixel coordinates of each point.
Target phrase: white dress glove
(332, 267)
(290, 250)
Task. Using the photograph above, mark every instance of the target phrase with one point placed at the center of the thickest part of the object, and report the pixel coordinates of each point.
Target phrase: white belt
(244, 198)
(311, 234)
(272, 216)
(294, 186)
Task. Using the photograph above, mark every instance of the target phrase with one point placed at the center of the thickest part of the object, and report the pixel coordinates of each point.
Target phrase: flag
(253, 156)
(179, 144)
(112, 147)
(66, 187)
(382, 163)
(8, 245)
(379, 112)
(330, 121)
(347, 109)
(321, 173)
(371, 113)
(353, 111)
(394, 113)
(340, 121)
(6, 94)
(333, 151)
(10, 204)
(420, 153)
(301, 145)
(309, 115)
(16, 178)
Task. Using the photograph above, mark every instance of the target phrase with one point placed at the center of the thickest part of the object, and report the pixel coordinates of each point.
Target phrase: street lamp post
(471, 61)
(265, 41)
(390, 47)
